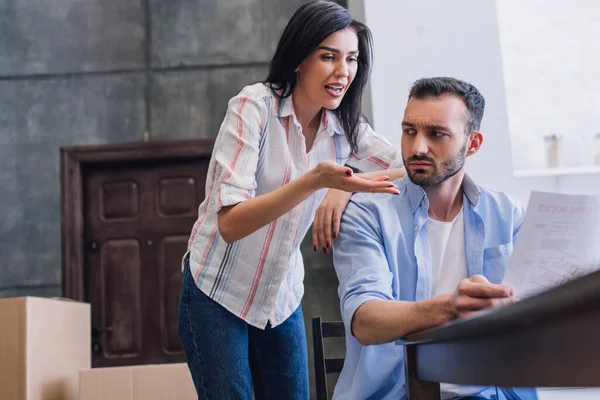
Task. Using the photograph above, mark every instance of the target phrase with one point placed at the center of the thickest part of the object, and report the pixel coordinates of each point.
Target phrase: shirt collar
(416, 194)
(330, 122)
(471, 190)
(285, 108)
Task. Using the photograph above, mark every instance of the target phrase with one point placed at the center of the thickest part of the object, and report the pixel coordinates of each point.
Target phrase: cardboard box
(140, 382)
(44, 343)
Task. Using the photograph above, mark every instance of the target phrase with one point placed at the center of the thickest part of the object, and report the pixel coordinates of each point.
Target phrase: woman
(281, 143)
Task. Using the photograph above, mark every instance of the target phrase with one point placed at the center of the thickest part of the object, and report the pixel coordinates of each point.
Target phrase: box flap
(58, 346)
(106, 383)
(12, 348)
(141, 382)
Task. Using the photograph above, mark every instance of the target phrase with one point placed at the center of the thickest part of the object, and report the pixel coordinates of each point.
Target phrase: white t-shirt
(448, 257)
(448, 268)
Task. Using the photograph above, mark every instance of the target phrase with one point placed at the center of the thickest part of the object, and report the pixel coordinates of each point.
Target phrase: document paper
(559, 240)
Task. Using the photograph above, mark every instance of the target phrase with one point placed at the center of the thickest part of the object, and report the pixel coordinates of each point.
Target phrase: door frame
(73, 162)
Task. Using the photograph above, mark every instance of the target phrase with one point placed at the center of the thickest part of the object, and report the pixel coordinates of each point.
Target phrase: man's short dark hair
(435, 87)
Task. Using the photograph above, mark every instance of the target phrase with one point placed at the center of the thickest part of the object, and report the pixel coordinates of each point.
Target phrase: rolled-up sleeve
(237, 149)
(518, 217)
(360, 261)
(375, 153)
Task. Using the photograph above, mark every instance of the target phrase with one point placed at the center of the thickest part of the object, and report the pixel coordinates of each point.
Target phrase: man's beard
(447, 169)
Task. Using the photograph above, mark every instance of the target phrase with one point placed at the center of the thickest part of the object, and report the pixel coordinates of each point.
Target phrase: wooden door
(137, 217)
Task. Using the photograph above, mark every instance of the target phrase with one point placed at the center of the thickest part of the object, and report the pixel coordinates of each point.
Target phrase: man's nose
(420, 145)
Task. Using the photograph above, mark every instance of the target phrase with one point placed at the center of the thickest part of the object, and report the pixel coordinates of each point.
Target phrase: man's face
(434, 143)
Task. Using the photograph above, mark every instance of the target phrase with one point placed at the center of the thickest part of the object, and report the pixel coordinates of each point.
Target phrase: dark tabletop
(578, 296)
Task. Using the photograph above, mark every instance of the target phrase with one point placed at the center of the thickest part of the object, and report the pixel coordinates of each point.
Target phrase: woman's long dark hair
(309, 26)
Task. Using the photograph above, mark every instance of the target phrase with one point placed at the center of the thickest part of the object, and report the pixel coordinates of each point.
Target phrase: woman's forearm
(393, 173)
(242, 219)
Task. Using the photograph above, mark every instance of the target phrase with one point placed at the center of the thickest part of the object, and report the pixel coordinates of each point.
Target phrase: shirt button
(416, 227)
(422, 202)
(414, 208)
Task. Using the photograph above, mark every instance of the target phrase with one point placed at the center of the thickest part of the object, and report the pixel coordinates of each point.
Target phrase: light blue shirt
(382, 253)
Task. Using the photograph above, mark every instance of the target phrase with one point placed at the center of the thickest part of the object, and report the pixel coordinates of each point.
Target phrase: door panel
(122, 325)
(177, 197)
(170, 251)
(138, 220)
(119, 200)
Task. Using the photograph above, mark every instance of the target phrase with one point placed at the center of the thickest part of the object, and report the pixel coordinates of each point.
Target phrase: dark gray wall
(106, 71)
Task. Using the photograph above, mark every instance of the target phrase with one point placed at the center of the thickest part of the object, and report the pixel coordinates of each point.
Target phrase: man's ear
(475, 140)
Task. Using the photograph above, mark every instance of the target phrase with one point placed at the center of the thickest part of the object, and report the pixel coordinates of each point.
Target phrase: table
(551, 339)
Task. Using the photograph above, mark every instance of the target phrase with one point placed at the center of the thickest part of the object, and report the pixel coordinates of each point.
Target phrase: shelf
(530, 173)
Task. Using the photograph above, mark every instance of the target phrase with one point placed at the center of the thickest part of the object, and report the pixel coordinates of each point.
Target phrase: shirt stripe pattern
(259, 148)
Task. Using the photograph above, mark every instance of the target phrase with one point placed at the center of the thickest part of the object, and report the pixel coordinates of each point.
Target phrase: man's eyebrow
(439, 128)
(432, 127)
(334, 50)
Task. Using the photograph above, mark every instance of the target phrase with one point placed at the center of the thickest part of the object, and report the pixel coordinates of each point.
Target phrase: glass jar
(553, 150)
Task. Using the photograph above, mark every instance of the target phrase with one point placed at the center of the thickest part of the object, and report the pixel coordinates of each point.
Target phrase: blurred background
(97, 72)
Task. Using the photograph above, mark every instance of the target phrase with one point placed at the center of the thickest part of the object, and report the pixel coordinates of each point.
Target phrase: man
(432, 254)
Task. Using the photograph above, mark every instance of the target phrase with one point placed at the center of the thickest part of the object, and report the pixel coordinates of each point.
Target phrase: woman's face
(326, 74)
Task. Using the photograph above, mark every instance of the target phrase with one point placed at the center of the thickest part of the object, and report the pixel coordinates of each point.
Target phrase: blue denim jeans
(228, 358)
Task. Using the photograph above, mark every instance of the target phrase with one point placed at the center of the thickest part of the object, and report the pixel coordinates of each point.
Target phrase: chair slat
(334, 365)
(324, 366)
(333, 329)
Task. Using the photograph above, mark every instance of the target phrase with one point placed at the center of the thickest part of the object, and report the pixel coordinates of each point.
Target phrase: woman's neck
(307, 113)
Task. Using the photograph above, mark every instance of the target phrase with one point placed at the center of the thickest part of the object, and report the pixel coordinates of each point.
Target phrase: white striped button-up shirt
(259, 148)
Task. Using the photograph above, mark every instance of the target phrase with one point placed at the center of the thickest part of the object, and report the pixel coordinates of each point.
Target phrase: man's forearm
(383, 321)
